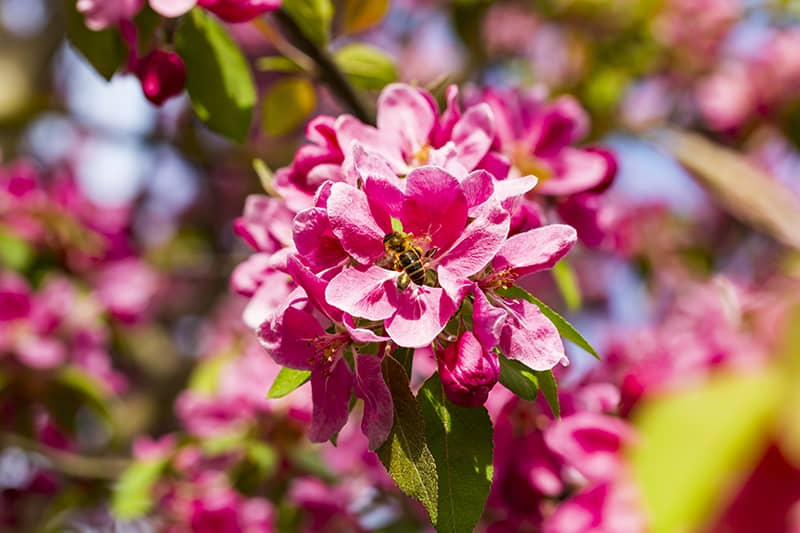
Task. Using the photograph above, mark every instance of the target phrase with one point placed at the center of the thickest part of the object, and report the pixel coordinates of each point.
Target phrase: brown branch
(69, 463)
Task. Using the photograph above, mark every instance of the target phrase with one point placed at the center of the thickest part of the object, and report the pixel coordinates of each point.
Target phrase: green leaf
(15, 253)
(405, 453)
(313, 17)
(86, 387)
(362, 14)
(518, 378)
(366, 66)
(287, 104)
(692, 444)
(565, 329)
(205, 377)
(460, 439)
(218, 77)
(104, 50)
(277, 64)
(567, 283)
(224, 442)
(549, 388)
(132, 495)
(287, 380)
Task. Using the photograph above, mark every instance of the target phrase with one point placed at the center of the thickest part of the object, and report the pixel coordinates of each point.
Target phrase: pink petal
(473, 135)
(561, 124)
(531, 338)
(479, 243)
(487, 320)
(172, 8)
(404, 110)
(350, 131)
(513, 187)
(478, 187)
(536, 249)
(362, 292)
(422, 313)
(591, 443)
(41, 353)
(330, 393)
(270, 296)
(378, 407)
(313, 285)
(287, 338)
(315, 240)
(353, 223)
(434, 206)
(576, 171)
(360, 334)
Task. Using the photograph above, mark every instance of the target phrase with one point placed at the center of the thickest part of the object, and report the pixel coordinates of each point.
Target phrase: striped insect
(407, 258)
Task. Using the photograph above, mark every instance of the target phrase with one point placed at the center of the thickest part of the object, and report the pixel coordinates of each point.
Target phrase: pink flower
(433, 208)
(409, 130)
(127, 288)
(538, 138)
(296, 338)
(163, 75)
(227, 10)
(100, 14)
(468, 371)
(604, 508)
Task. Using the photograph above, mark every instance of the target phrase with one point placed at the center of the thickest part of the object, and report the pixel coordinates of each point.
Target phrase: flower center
(527, 163)
(327, 347)
(421, 156)
(498, 279)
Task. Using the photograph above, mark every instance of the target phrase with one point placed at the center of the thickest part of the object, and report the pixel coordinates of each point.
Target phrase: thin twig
(328, 69)
(69, 463)
(283, 46)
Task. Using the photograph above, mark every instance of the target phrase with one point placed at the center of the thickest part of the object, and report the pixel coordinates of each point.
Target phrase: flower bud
(239, 10)
(468, 372)
(163, 75)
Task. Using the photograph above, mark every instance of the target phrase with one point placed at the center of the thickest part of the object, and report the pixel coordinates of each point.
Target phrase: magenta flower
(409, 129)
(468, 371)
(296, 338)
(227, 10)
(162, 74)
(434, 209)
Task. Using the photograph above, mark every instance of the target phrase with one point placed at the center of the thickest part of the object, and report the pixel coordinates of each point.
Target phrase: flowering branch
(328, 69)
(71, 464)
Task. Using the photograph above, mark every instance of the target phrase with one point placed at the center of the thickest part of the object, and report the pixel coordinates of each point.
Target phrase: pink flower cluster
(405, 234)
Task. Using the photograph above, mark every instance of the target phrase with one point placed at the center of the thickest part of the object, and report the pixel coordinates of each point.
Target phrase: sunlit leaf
(365, 66)
(287, 104)
(460, 439)
(218, 77)
(362, 14)
(405, 454)
(132, 496)
(567, 283)
(15, 253)
(277, 64)
(518, 378)
(693, 444)
(313, 17)
(549, 388)
(287, 380)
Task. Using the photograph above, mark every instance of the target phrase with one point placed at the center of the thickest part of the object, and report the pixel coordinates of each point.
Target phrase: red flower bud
(163, 75)
(468, 372)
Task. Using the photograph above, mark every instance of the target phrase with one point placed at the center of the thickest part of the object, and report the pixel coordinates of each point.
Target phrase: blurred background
(133, 395)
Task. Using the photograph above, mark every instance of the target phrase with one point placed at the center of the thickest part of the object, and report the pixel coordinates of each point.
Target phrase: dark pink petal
(496, 164)
(576, 171)
(239, 10)
(473, 135)
(360, 334)
(591, 443)
(584, 212)
(314, 287)
(468, 371)
(378, 410)
(15, 296)
(266, 224)
(444, 129)
(353, 223)
(330, 393)
(473, 250)
(404, 110)
(487, 320)
(434, 206)
(561, 124)
(350, 130)
(362, 292)
(530, 338)
(536, 249)
(315, 241)
(422, 313)
(287, 338)
(373, 166)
